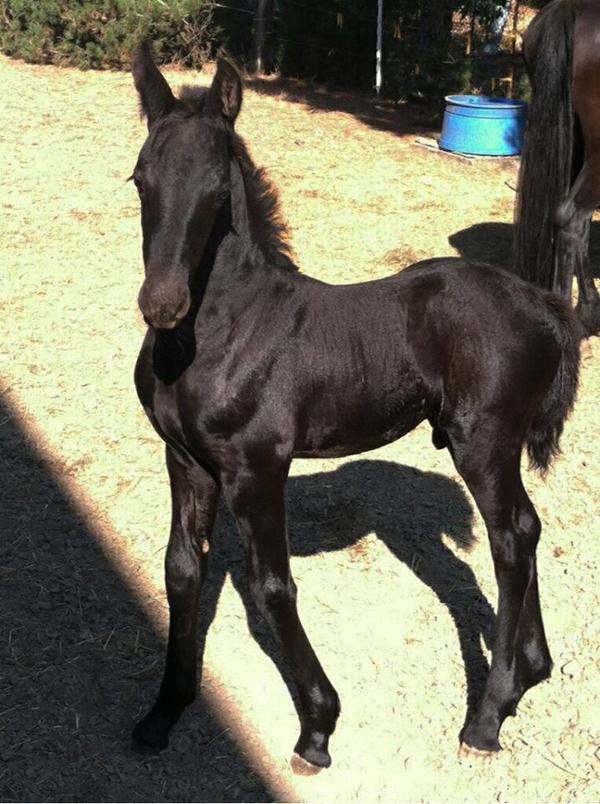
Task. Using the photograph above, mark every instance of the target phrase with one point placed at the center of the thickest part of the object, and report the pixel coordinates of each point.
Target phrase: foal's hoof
(302, 767)
(467, 750)
(312, 748)
(151, 733)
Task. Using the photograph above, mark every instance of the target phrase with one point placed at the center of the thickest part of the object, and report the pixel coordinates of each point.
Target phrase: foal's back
(358, 366)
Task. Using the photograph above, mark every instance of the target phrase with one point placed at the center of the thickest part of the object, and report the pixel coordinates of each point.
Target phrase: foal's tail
(545, 430)
(547, 158)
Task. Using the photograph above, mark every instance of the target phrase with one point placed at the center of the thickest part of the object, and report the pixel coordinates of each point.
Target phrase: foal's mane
(264, 212)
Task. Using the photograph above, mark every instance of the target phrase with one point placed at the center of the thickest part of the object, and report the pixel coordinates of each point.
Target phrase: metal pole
(260, 19)
(379, 45)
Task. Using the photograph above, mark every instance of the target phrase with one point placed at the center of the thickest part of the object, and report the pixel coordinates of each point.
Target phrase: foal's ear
(225, 96)
(155, 94)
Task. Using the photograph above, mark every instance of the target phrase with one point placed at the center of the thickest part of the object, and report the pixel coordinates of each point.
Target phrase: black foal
(247, 363)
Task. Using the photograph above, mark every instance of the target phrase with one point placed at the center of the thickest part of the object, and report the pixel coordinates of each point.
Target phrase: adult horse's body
(247, 364)
(559, 182)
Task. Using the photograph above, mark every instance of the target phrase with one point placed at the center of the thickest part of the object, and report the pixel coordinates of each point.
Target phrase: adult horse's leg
(584, 197)
(571, 246)
(520, 658)
(194, 495)
(258, 503)
(588, 304)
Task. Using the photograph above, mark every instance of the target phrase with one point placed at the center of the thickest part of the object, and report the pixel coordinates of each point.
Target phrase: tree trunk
(435, 30)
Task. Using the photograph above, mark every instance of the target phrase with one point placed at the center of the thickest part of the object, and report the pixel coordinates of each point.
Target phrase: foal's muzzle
(164, 302)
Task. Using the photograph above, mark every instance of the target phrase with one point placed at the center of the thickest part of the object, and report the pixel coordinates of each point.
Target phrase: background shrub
(430, 48)
(101, 33)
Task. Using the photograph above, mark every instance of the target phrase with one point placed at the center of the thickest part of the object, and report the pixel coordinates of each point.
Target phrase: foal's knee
(272, 594)
(181, 571)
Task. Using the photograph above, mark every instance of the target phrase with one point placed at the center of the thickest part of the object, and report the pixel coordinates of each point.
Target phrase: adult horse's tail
(544, 432)
(547, 159)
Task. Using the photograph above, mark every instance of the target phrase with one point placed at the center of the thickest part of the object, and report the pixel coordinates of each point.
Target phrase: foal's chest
(175, 402)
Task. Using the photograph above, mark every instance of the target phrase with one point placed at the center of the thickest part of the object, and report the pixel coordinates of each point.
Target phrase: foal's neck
(256, 213)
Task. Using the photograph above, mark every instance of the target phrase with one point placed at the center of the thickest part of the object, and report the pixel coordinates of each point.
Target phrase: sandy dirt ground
(396, 586)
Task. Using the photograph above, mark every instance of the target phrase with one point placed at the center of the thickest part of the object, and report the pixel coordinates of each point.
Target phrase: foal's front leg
(194, 495)
(257, 501)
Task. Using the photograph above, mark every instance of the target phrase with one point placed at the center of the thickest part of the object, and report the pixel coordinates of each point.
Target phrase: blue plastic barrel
(474, 124)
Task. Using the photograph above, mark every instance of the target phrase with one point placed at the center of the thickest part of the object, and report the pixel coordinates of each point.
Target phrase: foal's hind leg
(520, 657)
(258, 504)
(194, 497)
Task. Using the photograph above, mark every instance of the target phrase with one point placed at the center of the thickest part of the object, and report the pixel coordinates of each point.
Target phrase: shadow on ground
(409, 510)
(493, 243)
(381, 114)
(80, 661)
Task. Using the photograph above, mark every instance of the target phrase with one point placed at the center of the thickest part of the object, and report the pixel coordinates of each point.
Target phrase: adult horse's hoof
(151, 733)
(467, 750)
(302, 767)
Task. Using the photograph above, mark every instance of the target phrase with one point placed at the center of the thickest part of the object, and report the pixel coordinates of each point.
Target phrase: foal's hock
(247, 363)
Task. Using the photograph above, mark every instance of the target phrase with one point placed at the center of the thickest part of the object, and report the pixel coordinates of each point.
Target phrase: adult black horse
(247, 363)
(559, 180)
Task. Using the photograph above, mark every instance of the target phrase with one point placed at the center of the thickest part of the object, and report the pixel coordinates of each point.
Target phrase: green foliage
(102, 33)
(426, 50)
(333, 42)
(233, 21)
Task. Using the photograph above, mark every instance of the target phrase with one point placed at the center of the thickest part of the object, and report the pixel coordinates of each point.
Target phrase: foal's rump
(503, 348)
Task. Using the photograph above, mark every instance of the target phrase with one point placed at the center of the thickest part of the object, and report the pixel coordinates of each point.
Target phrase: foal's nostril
(183, 307)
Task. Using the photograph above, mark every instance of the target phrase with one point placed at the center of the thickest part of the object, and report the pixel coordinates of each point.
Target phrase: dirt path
(398, 611)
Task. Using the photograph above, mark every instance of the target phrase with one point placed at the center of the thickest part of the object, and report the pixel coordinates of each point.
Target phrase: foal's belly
(343, 426)
(326, 417)
(362, 441)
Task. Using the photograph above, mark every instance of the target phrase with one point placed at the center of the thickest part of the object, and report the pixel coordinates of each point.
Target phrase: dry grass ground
(399, 612)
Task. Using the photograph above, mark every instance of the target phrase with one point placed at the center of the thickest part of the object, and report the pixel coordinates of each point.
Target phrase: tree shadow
(382, 114)
(492, 242)
(409, 510)
(79, 660)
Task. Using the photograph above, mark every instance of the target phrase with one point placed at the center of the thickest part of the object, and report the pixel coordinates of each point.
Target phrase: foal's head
(183, 179)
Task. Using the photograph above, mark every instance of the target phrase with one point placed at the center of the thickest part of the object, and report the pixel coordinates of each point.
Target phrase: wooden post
(515, 32)
(471, 35)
